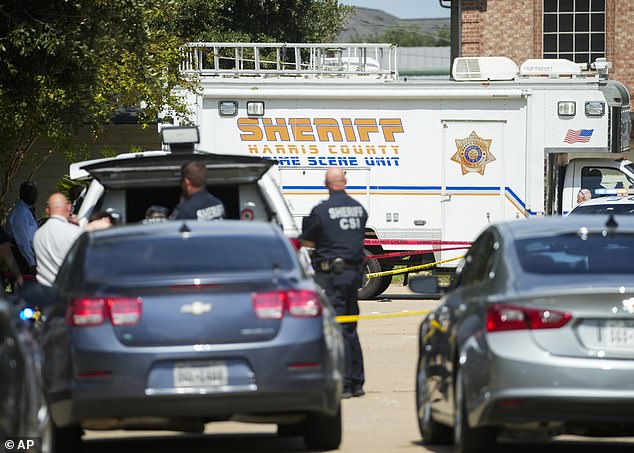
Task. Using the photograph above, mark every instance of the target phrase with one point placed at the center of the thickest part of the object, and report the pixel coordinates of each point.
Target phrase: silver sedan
(536, 335)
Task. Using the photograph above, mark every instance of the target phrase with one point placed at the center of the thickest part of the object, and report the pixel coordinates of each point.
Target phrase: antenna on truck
(180, 139)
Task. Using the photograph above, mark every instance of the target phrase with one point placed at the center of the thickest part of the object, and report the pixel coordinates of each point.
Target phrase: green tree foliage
(408, 36)
(69, 63)
(444, 38)
(65, 64)
(261, 20)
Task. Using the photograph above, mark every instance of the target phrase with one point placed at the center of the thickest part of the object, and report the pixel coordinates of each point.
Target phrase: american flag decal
(580, 136)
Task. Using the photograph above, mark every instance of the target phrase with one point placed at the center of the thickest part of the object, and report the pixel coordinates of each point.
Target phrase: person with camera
(335, 228)
(53, 240)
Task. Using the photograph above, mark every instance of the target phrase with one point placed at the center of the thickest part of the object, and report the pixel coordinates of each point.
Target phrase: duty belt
(337, 265)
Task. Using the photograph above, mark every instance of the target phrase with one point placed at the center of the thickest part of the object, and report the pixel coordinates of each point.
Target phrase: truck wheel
(371, 287)
(322, 432)
(385, 284)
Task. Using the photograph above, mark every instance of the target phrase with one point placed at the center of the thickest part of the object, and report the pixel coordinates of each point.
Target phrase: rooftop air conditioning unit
(484, 68)
(550, 68)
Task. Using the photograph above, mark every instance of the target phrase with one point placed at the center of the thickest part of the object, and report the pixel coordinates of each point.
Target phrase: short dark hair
(156, 209)
(28, 192)
(196, 172)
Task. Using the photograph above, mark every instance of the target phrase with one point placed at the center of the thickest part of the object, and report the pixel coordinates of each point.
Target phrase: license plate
(618, 334)
(200, 374)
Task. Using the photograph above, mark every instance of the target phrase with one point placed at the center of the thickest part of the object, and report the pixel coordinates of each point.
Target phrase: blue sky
(404, 9)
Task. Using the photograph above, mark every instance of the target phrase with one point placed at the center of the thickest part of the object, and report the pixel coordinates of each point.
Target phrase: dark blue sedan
(171, 326)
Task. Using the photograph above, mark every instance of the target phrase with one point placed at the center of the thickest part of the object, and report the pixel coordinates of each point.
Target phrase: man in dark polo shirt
(336, 229)
(197, 203)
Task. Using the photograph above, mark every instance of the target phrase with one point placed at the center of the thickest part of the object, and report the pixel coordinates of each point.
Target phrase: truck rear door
(472, 190)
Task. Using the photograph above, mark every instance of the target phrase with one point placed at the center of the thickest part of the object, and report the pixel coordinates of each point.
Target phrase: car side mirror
(425, 285)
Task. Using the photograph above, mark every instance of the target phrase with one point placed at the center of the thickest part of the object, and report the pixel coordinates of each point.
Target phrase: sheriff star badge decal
(473, 153)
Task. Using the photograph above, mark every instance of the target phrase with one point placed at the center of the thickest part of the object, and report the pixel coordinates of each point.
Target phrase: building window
(574, 29)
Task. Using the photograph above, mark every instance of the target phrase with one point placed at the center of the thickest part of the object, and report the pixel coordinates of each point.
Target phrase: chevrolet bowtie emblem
(196, 308)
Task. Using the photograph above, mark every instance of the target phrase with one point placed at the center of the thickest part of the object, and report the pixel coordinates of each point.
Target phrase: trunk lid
(602, 324)
(180, 313)
(149, 170)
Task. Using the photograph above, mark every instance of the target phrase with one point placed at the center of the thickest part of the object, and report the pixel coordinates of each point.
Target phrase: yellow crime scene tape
(411, 269)
(355, 318)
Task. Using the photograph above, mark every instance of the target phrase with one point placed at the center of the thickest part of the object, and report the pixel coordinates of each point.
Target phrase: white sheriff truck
(432, 161)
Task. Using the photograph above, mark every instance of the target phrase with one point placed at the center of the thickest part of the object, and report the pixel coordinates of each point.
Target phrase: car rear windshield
(604, 209)
(577, 254)
(177, 256)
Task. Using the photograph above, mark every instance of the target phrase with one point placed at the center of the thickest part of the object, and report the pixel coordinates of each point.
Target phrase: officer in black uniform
(197, 203)
(335, 229)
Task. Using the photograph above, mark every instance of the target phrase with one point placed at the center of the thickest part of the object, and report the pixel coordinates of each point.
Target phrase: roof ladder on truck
(291, 60)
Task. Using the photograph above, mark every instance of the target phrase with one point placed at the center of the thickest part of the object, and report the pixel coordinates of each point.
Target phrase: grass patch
(443, 278)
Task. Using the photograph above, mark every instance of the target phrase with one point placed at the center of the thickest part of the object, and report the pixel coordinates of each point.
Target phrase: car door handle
(445, 198)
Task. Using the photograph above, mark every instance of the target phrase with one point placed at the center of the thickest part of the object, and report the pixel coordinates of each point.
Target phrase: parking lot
(381, 421)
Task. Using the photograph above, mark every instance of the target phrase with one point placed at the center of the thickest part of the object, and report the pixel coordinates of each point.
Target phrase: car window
(577, 254)
(480, 259)
(184, 256)
(594, 178)
(605, 209)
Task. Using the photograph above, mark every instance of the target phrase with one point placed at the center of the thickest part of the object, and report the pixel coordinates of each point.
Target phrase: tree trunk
(43, 159)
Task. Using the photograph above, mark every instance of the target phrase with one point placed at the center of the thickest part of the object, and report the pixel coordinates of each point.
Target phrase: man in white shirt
(22, 225)
(55, 238)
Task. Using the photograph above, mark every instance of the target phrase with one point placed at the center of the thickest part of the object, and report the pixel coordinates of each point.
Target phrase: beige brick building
(579, 30)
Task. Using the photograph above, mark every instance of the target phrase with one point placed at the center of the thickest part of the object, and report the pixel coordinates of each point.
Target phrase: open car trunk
(137, 200)
(132, 185)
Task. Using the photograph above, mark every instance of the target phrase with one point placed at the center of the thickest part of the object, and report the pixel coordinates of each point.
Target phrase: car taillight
(124, 311)
(296, 244)
(269, 305)
(297, 303)
(87, 311)
(303, 304)
(507, 317)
